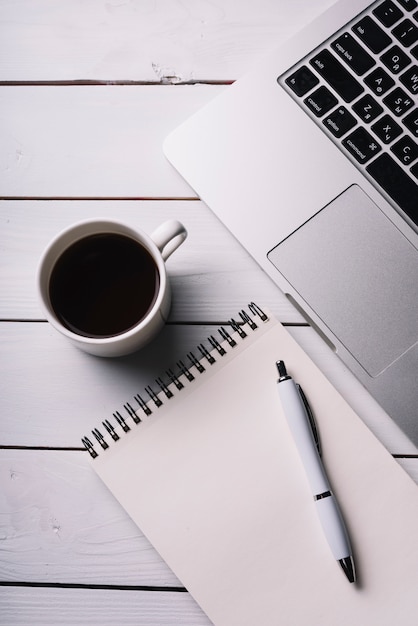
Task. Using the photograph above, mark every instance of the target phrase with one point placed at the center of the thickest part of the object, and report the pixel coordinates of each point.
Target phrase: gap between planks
(93, 586)
(166, 81)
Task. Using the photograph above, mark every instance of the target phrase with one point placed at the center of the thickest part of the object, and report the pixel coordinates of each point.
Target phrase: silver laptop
(311, 161)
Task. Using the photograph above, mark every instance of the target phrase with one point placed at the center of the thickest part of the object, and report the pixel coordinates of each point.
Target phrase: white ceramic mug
(159, 245)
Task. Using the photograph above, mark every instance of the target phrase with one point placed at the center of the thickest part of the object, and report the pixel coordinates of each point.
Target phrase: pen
(302, 426)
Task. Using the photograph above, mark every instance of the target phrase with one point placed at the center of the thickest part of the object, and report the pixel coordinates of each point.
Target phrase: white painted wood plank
(98, 607)
(93, 141)
(59, 524)
(51, 394)
(148, 41)
(207, 286)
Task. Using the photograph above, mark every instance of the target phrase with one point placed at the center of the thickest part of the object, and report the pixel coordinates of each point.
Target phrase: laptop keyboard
(361, 88)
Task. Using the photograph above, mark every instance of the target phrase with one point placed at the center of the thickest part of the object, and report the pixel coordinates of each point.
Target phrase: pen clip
(311, 419)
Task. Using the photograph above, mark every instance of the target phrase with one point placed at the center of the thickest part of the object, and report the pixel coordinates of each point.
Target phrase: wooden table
(88, 92)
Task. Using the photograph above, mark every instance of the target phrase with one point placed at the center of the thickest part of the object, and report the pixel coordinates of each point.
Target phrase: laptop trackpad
(359, 274)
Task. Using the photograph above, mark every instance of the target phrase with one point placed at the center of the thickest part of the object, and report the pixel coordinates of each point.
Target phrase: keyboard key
(406, 150)
(372, 35)
(414, 51)
(386, 129)
(410, 79)
(406, 32)
(321, 101)
(367, 108)
(379, 81)
(337, 76)
(340, 122)
(388, 13)
(353, 54)
(408, 5)
(361, 145)
(411, 122)
(302, 81)
(398, 101)
(414, 170)
(395, 60)
(397, 184)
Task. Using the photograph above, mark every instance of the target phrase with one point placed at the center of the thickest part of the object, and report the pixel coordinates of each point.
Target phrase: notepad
(205, 465)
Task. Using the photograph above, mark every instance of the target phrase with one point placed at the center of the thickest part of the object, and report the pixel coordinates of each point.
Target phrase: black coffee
(103, 285)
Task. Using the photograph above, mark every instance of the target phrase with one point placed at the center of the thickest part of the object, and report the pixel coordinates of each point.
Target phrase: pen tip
(348, 567)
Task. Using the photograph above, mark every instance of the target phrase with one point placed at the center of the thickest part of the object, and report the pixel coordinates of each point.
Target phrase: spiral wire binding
(209, 357)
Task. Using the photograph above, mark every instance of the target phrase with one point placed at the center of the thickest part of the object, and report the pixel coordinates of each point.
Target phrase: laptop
(311, 161)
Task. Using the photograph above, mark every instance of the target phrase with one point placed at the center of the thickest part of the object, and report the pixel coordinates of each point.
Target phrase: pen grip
(334, 527)
(300, 427)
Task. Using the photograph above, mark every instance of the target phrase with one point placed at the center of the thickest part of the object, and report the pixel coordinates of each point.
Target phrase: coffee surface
(103, 285)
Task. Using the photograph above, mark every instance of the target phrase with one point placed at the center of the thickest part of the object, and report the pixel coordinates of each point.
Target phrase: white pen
(303, 429)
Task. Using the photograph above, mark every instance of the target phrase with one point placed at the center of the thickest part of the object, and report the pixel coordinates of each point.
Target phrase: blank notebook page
(214, 480)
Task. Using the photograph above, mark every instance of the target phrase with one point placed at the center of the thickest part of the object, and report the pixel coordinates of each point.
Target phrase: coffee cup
(104, 284)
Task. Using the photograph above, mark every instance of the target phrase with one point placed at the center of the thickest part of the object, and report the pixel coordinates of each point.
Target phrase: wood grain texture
(143, 40)
(60, 524)
(101, 607)
(93, 141)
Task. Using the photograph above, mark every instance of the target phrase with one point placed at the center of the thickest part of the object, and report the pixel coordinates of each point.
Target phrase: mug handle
(168, 237)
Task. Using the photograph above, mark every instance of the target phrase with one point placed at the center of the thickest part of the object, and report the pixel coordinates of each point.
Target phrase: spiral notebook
(204, 463)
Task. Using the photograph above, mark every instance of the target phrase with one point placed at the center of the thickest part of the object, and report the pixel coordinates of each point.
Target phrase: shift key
(336, 75)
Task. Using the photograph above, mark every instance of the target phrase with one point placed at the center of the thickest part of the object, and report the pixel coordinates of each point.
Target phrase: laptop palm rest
(358, 274)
